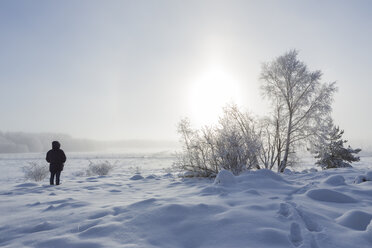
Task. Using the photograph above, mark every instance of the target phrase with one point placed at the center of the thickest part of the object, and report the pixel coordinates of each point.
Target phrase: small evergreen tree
(330, 150)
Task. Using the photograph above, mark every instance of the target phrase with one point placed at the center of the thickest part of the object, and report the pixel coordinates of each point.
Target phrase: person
(56, 159)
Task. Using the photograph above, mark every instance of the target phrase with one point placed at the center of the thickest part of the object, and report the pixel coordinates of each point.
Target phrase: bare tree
(238, 139)
(300, 101)
(271, 142)
(232, 145)
(198, 150)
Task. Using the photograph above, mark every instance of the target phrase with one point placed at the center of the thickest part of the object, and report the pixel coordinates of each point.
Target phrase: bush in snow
(36, 172)
(231, 145)
(136, 170)
(100, 168)
(80, 173)
(189, 174)
(330, 150)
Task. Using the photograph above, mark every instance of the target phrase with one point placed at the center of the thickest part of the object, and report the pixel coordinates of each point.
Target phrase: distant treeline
(19, 142)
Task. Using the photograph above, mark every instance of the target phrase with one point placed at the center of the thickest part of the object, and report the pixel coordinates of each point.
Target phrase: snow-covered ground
(159, 209)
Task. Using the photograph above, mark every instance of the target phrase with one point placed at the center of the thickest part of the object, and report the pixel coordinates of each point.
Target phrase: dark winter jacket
(56, 157)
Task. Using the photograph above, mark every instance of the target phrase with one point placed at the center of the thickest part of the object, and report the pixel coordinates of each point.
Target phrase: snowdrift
(154, 208)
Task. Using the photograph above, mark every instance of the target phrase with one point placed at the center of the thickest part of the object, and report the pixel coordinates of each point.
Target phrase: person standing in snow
(56, 159)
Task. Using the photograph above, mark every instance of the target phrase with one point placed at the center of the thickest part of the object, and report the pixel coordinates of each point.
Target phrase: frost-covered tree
(231, 145)
(330, 150)
(300, 101)
(237, 140)
(199, 154)
(270, 131)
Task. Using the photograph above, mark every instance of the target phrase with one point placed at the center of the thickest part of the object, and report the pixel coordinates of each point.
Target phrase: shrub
(100, 168)
(35, 171)
(231, 145)
(135, 170)
(79, 173)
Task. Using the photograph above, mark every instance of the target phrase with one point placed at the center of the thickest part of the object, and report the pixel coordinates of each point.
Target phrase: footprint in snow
(295, 235)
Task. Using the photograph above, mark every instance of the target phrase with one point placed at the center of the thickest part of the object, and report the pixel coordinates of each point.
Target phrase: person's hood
(56, 145)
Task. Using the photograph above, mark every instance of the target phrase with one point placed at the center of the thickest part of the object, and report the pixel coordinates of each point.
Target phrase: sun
(210, 93)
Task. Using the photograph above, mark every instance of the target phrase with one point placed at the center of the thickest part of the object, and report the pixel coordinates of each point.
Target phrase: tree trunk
(283, 163)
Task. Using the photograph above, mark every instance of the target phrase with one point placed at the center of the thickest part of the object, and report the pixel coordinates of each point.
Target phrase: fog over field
(19, 142)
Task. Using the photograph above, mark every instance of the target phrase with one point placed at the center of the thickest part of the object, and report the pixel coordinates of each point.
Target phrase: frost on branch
(35, 171)
(299, 101)
(231, 145)
(100, 168)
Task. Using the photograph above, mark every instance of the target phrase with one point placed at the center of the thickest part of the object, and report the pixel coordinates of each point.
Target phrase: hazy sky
(132, 69)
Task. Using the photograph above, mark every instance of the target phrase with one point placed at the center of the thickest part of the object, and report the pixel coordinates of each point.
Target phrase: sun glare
(210, 93)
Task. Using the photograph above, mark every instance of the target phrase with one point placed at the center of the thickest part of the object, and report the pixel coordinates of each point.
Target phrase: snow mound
(151, 177)
(27, 185)
(360, 179)
(136, 177)
(327, 195)
(168, 175)
(363, 178)
(143, 203)
(335, 180)
(267, 174)
(355, 219)
(225, 177)
(263, 179)
(272, 237)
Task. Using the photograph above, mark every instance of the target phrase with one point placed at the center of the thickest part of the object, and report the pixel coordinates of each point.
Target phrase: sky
(110, 70)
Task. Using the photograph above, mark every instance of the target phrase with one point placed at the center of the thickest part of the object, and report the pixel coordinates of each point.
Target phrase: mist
(21, 142)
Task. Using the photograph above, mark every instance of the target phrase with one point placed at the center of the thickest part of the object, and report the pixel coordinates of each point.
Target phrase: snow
(136, 177)
(336, 180)
(295, 234)
(327, 195)
(225, 177)
(143, 203)
(363, 178)
(355, 219)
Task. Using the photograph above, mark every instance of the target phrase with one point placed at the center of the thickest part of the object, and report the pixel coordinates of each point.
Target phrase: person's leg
(58, 174)
(52, 178)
